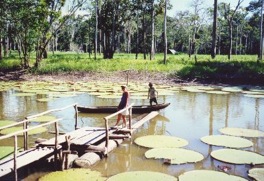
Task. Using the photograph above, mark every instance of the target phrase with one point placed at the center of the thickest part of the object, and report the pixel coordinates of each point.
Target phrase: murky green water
(190, 116)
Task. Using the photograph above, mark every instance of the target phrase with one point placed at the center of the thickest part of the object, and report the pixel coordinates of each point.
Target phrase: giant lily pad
(237, 156)
(142, 175)
(204, 175)
(227, 141)
(160, 141)
(5, 151)
(242, 132)
(73, 174)
(24, 94)
(256, 173)
(43, 119)
(6, 122)
(175, 155)
(15, 129)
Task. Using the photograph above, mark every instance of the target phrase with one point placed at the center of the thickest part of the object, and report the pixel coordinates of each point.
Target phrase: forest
(34, 29)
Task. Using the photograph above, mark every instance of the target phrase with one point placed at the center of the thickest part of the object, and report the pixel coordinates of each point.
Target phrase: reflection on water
(190, 116)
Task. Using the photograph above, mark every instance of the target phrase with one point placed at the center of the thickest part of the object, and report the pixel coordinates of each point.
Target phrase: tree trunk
(165, 33)
(152, 54)
(230, 31)
(214, 34)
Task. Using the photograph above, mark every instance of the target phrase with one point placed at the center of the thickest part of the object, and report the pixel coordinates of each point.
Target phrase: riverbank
(131, 76)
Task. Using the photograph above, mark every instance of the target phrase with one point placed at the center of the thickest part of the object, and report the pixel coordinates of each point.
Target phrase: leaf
(73, 174)
(242, 132)
(227, 141)
(256, 173)
(238, 156)
(160, 141)
(15, 129)
(142, 175)
(208, 175)
(175, 155)
(43, 119)
(6, 122)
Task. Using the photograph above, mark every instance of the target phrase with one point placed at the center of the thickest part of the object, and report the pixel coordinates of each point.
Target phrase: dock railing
(26, 129)
(107, 118)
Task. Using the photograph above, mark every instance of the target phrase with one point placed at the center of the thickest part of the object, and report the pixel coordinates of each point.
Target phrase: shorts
(125, 112)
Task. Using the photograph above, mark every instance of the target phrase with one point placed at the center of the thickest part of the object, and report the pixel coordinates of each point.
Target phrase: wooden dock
(79, 141)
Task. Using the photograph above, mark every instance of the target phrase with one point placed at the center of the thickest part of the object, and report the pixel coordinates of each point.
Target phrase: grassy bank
(241, 69)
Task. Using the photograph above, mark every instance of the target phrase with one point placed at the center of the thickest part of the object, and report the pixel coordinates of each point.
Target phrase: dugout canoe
(111, 109)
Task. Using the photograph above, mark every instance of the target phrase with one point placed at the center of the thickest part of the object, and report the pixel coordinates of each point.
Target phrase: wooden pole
(106, 135)
(56, 143)
(76, 116)
(15, 157)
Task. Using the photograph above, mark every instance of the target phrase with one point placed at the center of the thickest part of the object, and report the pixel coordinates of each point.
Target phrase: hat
(123, 86)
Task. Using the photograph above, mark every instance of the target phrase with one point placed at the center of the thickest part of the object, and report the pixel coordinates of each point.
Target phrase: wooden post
(25, 134)
(56, 143)
(130, 118)
(15, 157)
(106, 135)
(76, 116)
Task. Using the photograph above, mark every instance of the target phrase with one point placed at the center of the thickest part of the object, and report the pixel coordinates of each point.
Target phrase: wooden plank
(87, 139)
(23, 158)
(143, 120)
(74, 135)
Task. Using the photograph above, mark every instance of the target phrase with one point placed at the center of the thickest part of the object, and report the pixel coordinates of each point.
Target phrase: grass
(219, 69)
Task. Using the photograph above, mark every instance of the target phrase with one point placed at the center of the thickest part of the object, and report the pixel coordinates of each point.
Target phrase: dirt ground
(123, 77)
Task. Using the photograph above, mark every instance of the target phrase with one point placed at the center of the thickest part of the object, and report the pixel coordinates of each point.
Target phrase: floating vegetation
(232, 89)
(45, 99)
(254, 96)
(142, 175)
(160, 141)
(227, 141)
(174, 155)
(6, 122)
(24, 94)
(15, 129)
(43, 119)
(217, 92)
(6, 151)
(204, 175)
(242, 132)
(73, 174)
(256, 173)
(238, 156)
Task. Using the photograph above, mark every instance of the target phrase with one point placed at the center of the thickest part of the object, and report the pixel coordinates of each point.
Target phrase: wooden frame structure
(115, 114)
(26, 129)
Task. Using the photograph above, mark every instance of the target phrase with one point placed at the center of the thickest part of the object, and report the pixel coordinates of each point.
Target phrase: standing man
(152, 94)
(123, 104)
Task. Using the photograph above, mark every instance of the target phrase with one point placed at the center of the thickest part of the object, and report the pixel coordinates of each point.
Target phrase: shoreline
(125, 76)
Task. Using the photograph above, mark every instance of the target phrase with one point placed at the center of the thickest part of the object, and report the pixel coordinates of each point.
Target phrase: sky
(183, 5)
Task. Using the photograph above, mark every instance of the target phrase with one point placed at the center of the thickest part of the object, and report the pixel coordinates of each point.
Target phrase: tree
(165, 33)
(214, 33)
(229, 15)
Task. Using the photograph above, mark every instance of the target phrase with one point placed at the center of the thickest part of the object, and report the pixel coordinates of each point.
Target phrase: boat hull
(112, 109)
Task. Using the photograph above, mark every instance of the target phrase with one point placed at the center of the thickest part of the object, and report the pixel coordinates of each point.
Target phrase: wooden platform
(80, 138)
(24, 158)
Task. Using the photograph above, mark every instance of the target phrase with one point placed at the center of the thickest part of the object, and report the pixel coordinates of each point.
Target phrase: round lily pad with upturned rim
(175, 155)
(204, 175)
(256, 173)
(227, 141)
(73, 174)
(160, 141)
(238, 156)
(142, 175)
(6, 122)
(43, 119)
(242, 132)
(15, 129)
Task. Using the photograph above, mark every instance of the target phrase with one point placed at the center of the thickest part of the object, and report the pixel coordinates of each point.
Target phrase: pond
(191, 116)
